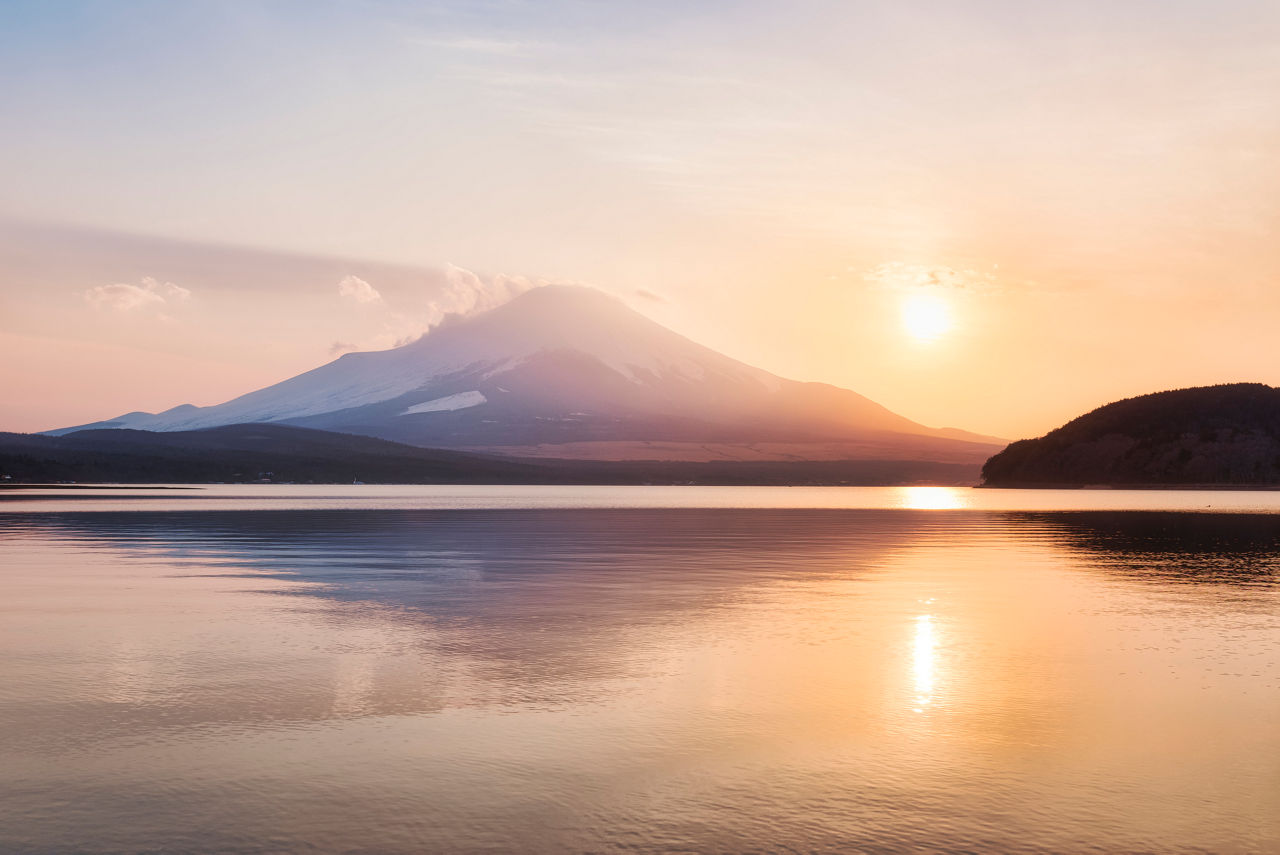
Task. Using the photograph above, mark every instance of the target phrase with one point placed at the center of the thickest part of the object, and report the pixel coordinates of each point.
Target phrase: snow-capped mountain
(570, 371)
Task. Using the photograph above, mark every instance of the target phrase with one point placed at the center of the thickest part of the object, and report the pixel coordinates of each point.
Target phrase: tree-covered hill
(1227, 435)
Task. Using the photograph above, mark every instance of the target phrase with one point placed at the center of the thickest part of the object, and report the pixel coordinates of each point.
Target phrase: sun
(925, 316)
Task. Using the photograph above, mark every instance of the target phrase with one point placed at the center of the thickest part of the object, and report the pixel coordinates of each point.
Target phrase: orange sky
(1079, 203)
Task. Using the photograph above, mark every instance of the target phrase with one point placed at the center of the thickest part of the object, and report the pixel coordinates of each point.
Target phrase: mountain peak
(569, 318)
(565, 296)
(560, 306)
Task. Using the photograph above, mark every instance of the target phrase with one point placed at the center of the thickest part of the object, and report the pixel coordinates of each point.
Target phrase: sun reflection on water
(931, 498)
(924, 661)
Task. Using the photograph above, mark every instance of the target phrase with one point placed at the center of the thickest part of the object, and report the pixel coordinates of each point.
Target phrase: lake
(253, 669)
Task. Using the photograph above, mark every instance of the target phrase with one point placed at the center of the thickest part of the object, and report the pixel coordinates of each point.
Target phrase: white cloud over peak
(355, 288)
(405, 316)
(340, 347)
(466, 293)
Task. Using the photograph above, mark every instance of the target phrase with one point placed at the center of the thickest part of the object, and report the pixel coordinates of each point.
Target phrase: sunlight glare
(931, 498)
(923, 661)
(925, 316)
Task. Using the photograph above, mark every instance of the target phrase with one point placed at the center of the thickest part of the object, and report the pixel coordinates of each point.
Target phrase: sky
(987, 215)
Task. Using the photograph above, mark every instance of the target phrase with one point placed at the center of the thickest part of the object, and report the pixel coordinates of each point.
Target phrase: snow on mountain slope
(556, 364)
(448, 403)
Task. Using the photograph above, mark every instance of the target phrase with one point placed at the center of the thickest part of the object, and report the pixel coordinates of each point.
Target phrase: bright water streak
(641, 680)
(228, 497)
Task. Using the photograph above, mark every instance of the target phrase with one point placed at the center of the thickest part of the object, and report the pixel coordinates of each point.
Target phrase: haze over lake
(244, 669)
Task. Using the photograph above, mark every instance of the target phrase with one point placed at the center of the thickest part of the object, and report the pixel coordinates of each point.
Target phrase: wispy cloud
(909, 276)
(355, 288)
(651, 296)
(125, 297)
(340, 347)
(480, 45)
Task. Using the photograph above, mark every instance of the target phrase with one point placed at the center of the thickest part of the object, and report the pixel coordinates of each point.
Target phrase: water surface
(484, 496)
(310, 669)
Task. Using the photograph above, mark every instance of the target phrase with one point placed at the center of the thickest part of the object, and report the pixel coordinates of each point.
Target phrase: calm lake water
(387, 670)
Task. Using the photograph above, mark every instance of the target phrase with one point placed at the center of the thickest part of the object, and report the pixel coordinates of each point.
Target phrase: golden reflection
(931, 498)
(924, 661)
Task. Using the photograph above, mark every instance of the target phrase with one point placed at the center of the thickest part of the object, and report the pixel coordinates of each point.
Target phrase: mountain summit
(569, 371)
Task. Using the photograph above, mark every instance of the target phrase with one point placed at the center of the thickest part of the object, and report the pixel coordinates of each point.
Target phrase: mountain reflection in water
(639, 680)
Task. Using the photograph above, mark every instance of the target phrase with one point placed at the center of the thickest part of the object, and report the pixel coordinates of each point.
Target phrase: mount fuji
(570, 372)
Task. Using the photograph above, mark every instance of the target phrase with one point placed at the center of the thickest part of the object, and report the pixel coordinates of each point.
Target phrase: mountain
(282, 453)
(567, 371)
(1227, 435)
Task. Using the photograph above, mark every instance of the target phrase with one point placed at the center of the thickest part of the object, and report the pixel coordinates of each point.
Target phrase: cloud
(458, 294)
(653, 296)
(124, 297)
(355, 288)
(907, 276)
(467, 293)
(340, 347)
(171, 291)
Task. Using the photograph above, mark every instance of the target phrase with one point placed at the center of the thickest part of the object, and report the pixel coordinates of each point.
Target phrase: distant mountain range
(283, 453)
(1211, 436)
(570, 372)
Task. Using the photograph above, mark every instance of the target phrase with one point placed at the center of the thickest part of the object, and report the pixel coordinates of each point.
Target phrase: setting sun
(925, 317)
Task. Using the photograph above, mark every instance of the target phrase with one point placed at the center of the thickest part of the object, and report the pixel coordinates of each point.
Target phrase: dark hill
(1219, 436)
(284, 453)
(248, 452)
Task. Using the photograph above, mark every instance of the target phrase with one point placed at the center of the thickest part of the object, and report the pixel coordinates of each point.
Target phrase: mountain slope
(1225, 435)
(565, 364)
